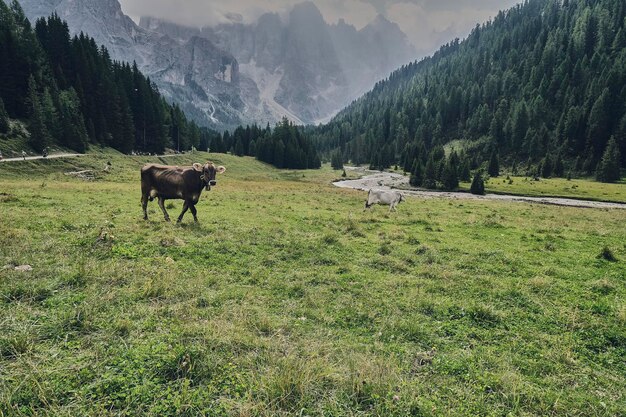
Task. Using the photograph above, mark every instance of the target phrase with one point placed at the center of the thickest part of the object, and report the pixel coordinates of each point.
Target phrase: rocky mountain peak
(306, 10)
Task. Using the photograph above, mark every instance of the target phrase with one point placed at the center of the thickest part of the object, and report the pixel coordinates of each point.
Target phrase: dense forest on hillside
(285, 146)
(72, 94)
(542, 87)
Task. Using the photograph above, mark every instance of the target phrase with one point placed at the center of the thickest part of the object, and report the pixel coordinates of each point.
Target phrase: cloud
(427, 23)
(200, 13)
(357, 12)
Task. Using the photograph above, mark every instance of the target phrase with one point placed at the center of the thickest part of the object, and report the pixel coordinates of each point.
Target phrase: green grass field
(288, 299)
(556, 187)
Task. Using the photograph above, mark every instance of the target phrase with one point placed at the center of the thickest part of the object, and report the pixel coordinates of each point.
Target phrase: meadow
(288, 299)
(580, 188)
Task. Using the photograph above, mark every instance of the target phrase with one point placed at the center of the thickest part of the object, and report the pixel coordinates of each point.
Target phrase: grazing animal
(385, 198)
(183, 183)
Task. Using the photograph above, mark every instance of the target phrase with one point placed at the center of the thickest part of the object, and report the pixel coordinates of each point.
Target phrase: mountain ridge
(543, 85)
(270, 75)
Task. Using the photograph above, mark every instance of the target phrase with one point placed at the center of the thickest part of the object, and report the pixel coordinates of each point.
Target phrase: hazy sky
(427, 23)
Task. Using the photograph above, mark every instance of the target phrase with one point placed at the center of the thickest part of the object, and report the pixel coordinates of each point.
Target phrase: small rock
(24, 268)
(169, 260)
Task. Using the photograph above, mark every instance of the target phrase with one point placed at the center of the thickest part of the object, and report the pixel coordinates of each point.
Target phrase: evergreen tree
(464, 171)
(478, 184)
(417, 174)
(609, 166)
(450, 179)
(494, 165)
(546, 167)
(39, 135)
(430, 174)
(336, 161)
(73, 131)
(559, 169)
(4, 118)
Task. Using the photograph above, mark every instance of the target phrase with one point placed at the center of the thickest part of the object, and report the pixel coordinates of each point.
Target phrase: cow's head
(208, 173)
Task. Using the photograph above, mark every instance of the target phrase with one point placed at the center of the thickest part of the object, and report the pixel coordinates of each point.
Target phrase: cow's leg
(192, 207)
(185, 208)
(162, 205)
(144, 205)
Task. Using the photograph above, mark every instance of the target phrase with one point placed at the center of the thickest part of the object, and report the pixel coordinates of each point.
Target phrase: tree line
(284, 146)
(542, 85)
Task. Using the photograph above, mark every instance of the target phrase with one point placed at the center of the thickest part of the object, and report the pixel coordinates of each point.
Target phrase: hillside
(543, 82)
(72, 94)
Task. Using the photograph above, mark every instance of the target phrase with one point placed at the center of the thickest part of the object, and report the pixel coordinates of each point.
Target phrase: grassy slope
(556, 187)
(288, 299)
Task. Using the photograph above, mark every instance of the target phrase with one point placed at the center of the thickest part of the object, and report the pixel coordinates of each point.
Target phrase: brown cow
(183, 183)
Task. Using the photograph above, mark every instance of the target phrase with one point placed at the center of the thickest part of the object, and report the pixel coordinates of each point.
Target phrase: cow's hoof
(167, 219)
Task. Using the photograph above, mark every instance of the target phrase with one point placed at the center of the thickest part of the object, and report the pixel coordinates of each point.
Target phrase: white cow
(385, 198)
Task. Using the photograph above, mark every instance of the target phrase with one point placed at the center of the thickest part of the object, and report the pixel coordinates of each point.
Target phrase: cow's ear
(197, 167)
(221, 169)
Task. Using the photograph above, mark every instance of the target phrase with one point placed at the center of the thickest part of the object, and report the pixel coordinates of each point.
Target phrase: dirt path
(71, 155)
(386, 181)
(32, 158)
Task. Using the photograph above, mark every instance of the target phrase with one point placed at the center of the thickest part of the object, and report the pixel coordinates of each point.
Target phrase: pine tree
(73, 131)
(559, 169)
(430, 174)
(336, 161)
(39, 135)
(4, 118)
(494, 165)
(478, 184)
(546, 167)
(417, 174)
(609, 166)
(464, 171)
(450, 179)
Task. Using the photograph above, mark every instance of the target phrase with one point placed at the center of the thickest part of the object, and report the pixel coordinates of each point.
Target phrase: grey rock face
(222, 76)
(188, 69)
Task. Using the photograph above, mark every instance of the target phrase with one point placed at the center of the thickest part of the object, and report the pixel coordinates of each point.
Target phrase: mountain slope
(543, 80)
(71, 94)
(235, 73)
(303, 67)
